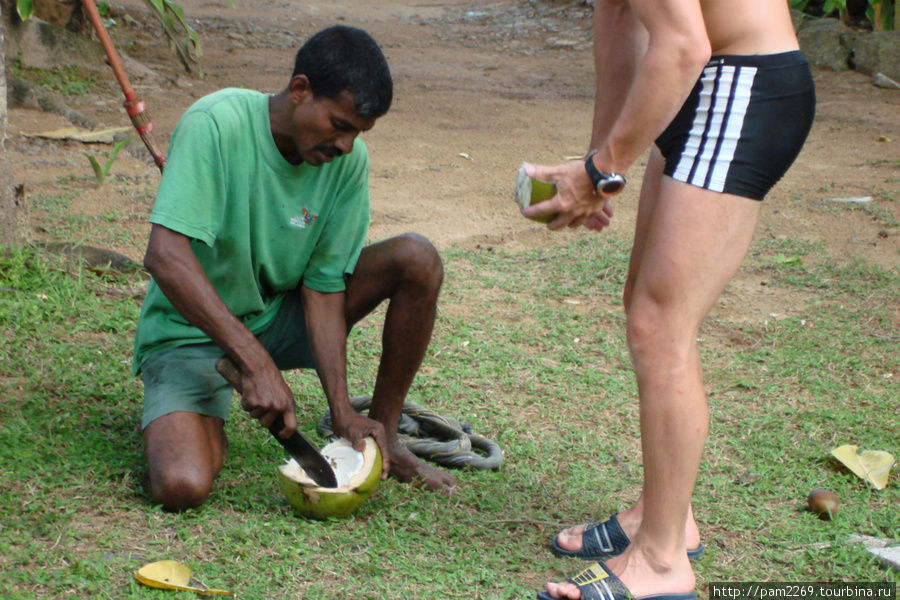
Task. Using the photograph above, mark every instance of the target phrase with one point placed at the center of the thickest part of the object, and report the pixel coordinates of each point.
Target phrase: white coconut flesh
(530, 191)
(347, 463)
(523, 189)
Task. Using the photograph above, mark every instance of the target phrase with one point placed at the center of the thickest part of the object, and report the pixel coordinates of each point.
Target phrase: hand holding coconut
(576, 202)
(355, 428)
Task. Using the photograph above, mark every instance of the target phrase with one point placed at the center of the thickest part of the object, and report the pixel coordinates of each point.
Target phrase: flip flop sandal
(602, 541)
(597, 582)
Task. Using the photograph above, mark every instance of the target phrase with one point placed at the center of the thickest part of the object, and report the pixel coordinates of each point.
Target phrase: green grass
(66, 81)
(529, 349)
(56, 218)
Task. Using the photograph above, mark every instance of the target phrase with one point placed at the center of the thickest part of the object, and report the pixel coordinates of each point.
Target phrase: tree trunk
(11, 208)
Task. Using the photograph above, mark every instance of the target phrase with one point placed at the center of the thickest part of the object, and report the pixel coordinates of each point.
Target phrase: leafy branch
(880, 13)
(175, 25)
(171, 17)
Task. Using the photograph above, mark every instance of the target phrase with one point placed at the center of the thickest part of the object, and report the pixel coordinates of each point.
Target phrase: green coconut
(531, 191)
(358, 476)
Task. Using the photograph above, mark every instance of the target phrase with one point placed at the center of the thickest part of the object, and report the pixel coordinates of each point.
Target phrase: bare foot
(641, 574)
(630, 520)
(570, 539)
(409, 468)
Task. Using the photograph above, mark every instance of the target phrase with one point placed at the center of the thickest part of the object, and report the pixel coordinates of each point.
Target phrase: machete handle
(307, 456)
(231, 372)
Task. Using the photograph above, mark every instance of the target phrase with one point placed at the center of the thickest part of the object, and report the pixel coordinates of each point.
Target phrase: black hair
(346, 58)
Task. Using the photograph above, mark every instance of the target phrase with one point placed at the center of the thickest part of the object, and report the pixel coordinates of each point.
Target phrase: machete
(300, 448)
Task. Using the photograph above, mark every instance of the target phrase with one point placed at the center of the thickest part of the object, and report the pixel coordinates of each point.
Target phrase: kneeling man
(257, 252)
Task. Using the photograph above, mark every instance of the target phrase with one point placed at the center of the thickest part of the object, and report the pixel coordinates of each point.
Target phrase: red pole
(134, 105)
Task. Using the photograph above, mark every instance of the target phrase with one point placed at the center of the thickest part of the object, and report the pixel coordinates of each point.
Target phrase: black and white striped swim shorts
(743, 124)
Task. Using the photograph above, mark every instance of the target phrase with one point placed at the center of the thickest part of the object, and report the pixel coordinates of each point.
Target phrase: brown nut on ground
(823, 503)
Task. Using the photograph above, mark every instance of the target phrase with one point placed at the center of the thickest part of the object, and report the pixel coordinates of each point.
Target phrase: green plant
(828, 7)
(171, 17)
(100, 171)
(67, 81)
(881, 13)
(25, 9)
(184, 37)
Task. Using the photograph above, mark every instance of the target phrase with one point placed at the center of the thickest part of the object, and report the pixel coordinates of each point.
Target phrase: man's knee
(179, 491)
(419, 261)
(656, 331)
(644, 326)
(184, 454)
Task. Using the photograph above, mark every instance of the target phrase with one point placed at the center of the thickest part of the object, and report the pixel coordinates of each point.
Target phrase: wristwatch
(606, 184)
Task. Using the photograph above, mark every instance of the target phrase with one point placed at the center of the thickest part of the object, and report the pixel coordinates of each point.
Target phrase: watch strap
(606, 184)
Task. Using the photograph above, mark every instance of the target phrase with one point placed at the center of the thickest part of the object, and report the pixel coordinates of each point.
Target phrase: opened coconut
(358, 476)
(531, 191)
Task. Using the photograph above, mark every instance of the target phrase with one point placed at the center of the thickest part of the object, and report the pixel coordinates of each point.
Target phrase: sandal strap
(597, 582)
(602, 540)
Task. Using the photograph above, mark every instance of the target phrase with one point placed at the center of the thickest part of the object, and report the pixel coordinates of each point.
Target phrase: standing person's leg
(690, 244)
(408, 272)
(570, 540)
(695, 243)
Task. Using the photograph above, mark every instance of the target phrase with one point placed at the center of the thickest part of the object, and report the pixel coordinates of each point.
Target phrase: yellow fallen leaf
(872, 465)
(171, 575)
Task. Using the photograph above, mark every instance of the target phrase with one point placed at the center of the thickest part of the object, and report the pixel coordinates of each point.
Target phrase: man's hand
(176, 270)
(576, 203)
(355, 427)
(265, 395)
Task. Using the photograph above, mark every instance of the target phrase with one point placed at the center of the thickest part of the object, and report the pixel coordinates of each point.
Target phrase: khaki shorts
(184, 378)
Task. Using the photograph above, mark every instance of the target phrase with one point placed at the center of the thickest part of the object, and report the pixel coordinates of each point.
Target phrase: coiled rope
(430, 436)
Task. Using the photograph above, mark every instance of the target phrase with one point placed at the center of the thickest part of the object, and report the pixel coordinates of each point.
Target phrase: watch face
(612, 186)
(606, 184)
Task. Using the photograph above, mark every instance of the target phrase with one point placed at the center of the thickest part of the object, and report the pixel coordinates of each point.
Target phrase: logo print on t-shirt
(305, 220)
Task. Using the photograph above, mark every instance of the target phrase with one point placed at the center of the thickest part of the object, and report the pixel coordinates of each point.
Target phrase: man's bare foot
(409, 468)
(641, 574)
(629, 520)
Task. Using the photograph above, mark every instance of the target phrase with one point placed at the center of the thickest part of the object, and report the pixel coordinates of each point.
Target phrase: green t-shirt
(259, 225)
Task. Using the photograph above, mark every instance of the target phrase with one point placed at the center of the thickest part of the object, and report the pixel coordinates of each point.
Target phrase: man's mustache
(329, 151)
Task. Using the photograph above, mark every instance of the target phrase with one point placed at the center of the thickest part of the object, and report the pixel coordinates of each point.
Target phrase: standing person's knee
(419, 261)
(628, 294)
(643, 326)
(657, 332)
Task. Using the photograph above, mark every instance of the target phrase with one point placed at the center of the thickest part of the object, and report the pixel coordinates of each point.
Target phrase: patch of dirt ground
(479, 87)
